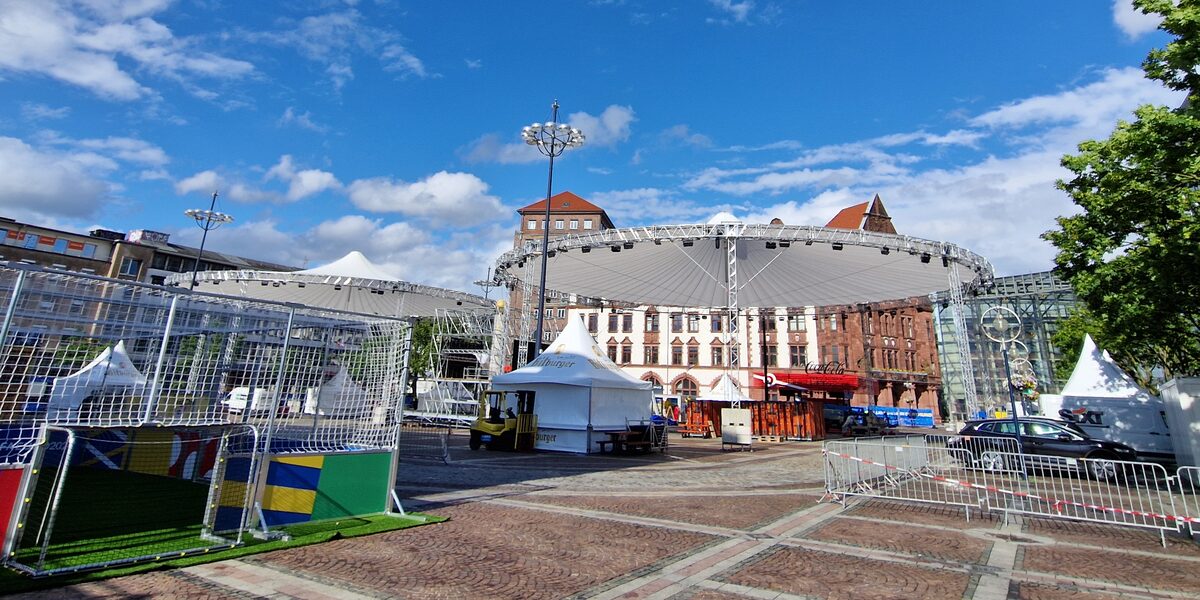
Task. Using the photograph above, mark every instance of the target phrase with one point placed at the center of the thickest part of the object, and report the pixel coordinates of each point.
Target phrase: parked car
(1048, 444)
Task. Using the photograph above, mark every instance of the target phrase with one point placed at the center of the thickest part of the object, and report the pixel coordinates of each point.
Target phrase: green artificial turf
(302, 534)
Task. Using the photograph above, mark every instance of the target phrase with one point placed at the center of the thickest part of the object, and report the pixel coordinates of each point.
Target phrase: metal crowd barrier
(1131, 494)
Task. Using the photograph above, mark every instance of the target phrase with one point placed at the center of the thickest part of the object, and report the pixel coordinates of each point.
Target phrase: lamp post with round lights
(552, 139)
(208, 220)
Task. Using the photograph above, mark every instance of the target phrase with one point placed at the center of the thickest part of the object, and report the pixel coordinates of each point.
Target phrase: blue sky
(392, 127)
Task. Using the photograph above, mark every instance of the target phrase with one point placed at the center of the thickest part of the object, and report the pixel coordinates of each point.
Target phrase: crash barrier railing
(1189, 488)
(1132, 494)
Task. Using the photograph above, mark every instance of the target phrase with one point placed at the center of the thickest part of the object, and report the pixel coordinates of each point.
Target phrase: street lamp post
(551, 139)
(208, 220)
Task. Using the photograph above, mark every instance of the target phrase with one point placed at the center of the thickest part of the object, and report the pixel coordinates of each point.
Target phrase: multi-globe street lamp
(552, 139)
(208, 220)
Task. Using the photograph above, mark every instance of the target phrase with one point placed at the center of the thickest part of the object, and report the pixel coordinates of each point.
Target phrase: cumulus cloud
(302, 120)
(336, 39)
(36, 111)
(1132, 22)
(303, 183)
(452, 198)
(608, 128)
(80, 43)
(204, 181)
(37, 183)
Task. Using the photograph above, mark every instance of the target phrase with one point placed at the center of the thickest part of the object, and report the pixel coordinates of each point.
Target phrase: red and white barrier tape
(1054, 503)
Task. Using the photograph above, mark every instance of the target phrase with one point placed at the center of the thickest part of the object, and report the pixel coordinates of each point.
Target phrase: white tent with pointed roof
(1107, 403)
(580, 392)
(340, 396)
(725, 390)
(111, 372)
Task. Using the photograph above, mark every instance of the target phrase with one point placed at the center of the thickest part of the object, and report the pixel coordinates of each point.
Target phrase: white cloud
(204, 181)
(681, 134)
(1101, 103)
(131, 150)
(459, 199)
(35, 183)
(35, 111)
(301, 184)
(398, 59)
(490, 148)
(302, 120)
(738, 11)
(1132, 22)
(473, 63)
(80, 43)
(650, 206)
(608, 129)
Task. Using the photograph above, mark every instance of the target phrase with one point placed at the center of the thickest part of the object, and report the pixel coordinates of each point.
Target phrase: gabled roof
(566, 202)
(1096, 375)
(850, 217)
(867, 216)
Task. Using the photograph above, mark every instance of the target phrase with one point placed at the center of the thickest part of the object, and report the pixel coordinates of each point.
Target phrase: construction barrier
(1189, 487)
(1132, 494)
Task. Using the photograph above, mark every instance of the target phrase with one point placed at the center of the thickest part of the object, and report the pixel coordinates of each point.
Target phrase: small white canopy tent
(725, 390)
(1109, 404)
(338, 397)
(110, 372)
(580, 392)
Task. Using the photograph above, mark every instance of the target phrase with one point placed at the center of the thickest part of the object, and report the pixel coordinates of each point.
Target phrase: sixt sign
(1083, 416)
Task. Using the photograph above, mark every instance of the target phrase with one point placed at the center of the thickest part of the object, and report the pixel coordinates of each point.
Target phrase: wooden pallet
(770, 438)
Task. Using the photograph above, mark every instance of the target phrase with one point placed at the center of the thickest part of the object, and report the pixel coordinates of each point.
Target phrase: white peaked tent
(580, 392)
(1109, 404)
(725, 390)
(110, 372)
(338, 397)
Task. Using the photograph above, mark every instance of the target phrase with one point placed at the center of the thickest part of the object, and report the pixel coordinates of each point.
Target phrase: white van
(236, 400)
(1140, 423)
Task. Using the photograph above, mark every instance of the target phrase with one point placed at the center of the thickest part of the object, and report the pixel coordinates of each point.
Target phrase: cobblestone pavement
(692, 524)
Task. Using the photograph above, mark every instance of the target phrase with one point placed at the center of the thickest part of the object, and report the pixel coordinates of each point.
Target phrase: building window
(676, 354)
(626, 354)
(574, 223)
(715, 322)
(587, 223)
(686, 388)
(676, 323)
(768, 321)
(652, 322)
(718, 356)
(558, 224)
(532, 224)
(693, 322)
(612, 351)
(833, 354)
(591, 323)
(796, 323)
(651, 354)
(772, 356)
(627, 323)
(833, 322)
(60, 246)
(799, 355)
(130, 267)
(31, 240)
(693, 355)
(562, 313)
(612, 322)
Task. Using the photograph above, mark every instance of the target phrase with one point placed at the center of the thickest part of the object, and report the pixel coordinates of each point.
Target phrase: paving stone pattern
(694, 523)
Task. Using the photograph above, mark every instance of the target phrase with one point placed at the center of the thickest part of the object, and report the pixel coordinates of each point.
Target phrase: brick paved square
(161, 584)
(737, 512)
(925, 514)
(488, 551)
(1108, 536)
(905, 539)
(1036, 591)
(1105, 564)
(826, 575)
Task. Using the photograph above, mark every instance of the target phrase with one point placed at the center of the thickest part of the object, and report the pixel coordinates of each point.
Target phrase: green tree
(1133, 254)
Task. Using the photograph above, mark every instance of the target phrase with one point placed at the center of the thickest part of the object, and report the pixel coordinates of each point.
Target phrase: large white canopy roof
(1097, 375)
(776, 265)
(352, 283)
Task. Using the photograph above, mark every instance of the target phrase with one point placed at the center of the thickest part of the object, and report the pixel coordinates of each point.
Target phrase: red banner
(827, 382)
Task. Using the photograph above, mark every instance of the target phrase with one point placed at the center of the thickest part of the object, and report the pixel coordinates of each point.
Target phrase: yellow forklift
(498, 427)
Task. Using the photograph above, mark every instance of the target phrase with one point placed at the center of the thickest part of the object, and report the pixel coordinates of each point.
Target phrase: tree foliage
(1133, 254)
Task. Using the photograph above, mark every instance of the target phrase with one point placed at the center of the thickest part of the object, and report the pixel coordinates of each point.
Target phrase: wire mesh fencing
(109, 365)
(988, 479)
